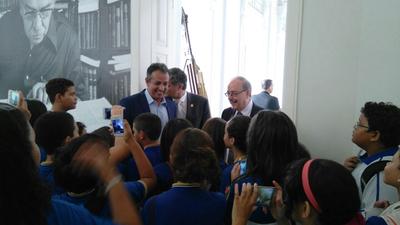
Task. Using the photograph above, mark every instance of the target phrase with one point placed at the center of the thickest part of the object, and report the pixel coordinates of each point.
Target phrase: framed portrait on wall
(86, 41)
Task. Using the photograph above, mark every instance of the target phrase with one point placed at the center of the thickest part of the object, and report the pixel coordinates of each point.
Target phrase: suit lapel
(144, 105)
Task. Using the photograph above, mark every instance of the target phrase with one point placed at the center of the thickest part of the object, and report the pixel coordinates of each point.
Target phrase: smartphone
(265, 195)
(242, 164)
(117, 120)
(13, 97)
(118, 125)
(107, 113)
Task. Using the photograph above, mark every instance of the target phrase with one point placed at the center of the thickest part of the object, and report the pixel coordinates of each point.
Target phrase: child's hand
(277, 207)
(244, 204)
(235, 172)
(127, 131)
(351, 163)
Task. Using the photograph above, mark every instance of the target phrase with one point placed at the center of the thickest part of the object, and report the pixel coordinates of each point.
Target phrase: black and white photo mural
(86, 41)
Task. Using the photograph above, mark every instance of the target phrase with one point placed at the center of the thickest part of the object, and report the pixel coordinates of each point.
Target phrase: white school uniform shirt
(375, 189)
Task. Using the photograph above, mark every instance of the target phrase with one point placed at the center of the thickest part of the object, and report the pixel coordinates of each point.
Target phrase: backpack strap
(371, 171)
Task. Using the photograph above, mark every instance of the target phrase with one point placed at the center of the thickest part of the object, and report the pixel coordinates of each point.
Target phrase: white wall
(349, 53)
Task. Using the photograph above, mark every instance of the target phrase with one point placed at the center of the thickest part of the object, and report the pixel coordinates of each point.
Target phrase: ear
(57, 97)
(141, 135)
(231, 141)
(376, 135)
(305, 210)
(67, 140)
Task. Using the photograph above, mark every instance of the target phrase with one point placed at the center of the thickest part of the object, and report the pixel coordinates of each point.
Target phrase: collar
(79, 195)
(247, 110)
(183, 98)
(388, 152)
(52, 32)
(182, 184)
(150, 99)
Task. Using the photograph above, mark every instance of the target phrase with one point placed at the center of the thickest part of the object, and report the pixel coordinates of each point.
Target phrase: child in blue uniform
(235, 140)
(53, 130)
(272, 146)
(26, 198)
(315, 192)
(189, 202)
(163, 170)
(84, 189)
(377, 132)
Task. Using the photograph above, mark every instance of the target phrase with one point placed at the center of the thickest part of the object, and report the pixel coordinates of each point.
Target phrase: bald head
(239, 92)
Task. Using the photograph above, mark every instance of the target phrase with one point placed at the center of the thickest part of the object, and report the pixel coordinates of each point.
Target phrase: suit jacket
(266, 101)
(137, 104)
(198, 110)
(228, 113)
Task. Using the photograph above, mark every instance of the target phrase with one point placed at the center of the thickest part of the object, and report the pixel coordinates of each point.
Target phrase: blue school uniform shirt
(152, 153)
(136, 189)
(46, 174)
(164, 176)
(64, 213)
(185, 206)
(258, 216)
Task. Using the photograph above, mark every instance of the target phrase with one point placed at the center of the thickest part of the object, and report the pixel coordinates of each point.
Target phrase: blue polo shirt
(136, 189)
(164, 177)
(46, 174)
(131, 172)
(64, 213)
(185, 206)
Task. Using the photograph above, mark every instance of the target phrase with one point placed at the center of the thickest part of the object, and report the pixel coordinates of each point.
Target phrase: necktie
(239, 113)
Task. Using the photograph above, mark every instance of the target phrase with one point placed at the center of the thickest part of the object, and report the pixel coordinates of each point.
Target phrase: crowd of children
(53, 172)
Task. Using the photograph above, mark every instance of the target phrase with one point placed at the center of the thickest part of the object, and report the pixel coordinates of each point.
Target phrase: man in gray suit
(192, 107)
(265, 99)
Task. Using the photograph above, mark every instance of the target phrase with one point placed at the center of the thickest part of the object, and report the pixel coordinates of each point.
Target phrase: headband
(306, 185)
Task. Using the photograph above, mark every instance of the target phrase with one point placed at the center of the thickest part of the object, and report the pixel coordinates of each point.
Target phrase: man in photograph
(36, 45)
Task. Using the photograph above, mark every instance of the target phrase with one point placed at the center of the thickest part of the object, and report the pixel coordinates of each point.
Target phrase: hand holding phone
(117, 120)
(265, 195)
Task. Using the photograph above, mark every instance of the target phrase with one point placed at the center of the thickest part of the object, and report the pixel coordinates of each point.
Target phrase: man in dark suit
(265, 99)
(239, 95)
(192, 107)
(152, 99)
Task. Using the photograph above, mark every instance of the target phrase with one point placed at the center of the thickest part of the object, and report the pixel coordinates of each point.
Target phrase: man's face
(238, 97)
(36, 15)
(69, 99)
(174, 90)
(157, 85)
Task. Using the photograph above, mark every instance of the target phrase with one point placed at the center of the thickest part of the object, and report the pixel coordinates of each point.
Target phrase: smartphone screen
(13, 97)
(118, 125)
(265, 195)
(242, 164)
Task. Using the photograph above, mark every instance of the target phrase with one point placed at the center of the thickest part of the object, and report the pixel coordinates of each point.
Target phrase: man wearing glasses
(239, 95)
(36, 45)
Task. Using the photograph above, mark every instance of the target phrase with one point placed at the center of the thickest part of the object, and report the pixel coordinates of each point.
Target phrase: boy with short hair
(62, 94)
(147, 130)
(377, 132)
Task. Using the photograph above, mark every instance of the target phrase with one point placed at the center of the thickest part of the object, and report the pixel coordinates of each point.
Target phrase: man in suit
(152, 99)
(192, 107)
(239, 95)
(265, 99)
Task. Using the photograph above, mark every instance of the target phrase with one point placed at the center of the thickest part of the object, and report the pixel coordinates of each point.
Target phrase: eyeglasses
(359, 125)
(43, 14)
(233, 93)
